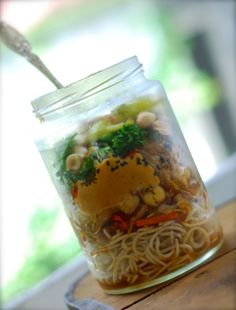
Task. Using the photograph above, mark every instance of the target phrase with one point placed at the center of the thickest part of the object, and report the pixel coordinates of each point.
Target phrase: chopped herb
(127, 139)
(87, 171)
(70, 143)
(101, 153)
(66, 176)
(124, 140)
(71, 177)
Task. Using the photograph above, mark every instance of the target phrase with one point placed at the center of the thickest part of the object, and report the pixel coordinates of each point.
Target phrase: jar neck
(113, 80)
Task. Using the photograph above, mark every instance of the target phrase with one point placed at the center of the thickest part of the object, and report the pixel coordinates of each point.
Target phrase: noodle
(153, 251)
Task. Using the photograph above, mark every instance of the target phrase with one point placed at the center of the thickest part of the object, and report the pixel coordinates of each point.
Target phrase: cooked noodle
(152, 251)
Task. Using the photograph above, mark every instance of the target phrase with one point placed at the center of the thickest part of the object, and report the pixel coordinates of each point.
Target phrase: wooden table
(212, 286)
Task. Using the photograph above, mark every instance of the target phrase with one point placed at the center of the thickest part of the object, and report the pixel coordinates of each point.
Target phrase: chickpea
(73, 162)
(130, 204)
(154, 197)
(145, 119)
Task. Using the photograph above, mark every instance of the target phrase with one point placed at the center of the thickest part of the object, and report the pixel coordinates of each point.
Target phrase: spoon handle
(18, 43)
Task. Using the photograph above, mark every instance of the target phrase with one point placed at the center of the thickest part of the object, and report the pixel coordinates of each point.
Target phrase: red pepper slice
(122, 224)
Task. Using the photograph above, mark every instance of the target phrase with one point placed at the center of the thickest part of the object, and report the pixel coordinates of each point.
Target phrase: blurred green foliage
(45, 255)
(194, 91)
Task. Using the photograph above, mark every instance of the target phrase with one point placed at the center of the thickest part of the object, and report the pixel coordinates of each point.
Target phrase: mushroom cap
(117, 178)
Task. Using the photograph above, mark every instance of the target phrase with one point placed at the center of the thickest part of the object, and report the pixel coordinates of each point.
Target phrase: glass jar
(129, 185)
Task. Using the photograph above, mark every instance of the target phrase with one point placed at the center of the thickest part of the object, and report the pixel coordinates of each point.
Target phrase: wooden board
(88, 287)
(212, 286)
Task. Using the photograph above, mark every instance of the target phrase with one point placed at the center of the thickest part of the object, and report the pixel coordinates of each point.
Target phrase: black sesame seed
(98, 170)
(118, 161)
(162, 159)
(108, 163)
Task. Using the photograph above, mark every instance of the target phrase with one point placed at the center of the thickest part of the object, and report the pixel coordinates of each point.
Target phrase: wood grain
(89, 288)
(212, 286)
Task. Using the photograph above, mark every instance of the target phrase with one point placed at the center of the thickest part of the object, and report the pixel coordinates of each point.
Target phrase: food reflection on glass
(140, 208)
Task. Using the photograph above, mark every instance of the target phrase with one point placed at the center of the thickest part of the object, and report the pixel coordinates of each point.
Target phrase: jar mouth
(86, 87)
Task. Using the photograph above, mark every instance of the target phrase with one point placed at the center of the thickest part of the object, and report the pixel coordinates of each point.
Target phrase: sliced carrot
(156, 219)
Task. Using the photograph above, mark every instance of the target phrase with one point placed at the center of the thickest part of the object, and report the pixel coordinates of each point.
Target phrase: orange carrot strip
(156, 219)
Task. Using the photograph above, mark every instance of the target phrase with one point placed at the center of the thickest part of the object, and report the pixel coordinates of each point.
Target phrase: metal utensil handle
(14, 40)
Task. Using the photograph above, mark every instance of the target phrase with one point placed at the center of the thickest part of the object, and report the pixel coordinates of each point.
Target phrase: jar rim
(86, 87)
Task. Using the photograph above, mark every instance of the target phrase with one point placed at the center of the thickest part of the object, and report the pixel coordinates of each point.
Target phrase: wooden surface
(212, 286)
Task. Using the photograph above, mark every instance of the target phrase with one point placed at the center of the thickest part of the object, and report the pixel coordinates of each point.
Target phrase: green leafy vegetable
(69, 146)
(124, 140)
(70, 177)
(66, 176)
(87, 171)
(101, 153)
(127, 139)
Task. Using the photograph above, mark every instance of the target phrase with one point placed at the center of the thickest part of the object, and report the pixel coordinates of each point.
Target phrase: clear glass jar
(129, 185)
